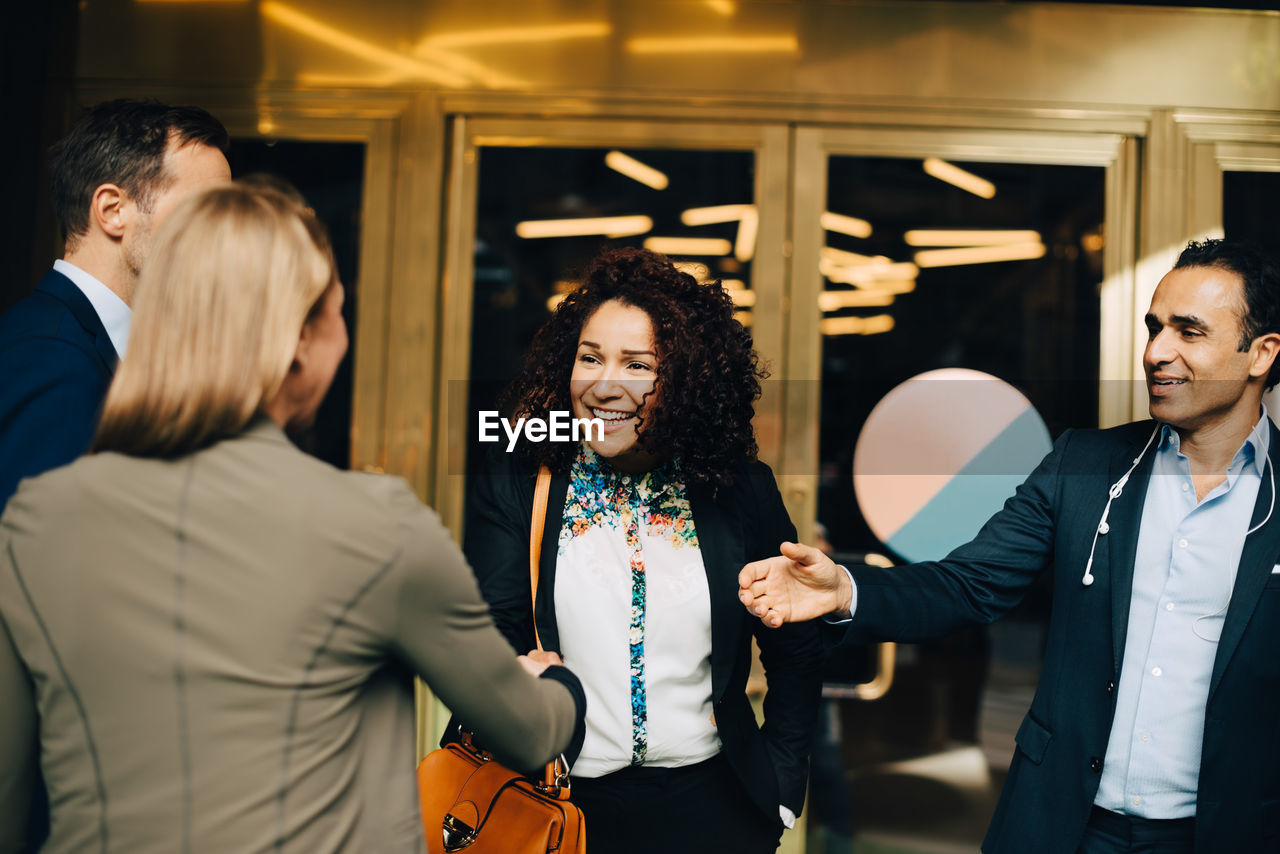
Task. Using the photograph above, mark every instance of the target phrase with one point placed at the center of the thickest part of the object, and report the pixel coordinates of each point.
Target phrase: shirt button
(1146, 736)
(1111, 687)
(1182, 543)
(1168, 606)
(1186, 487)
(1137, 802)
(1156, 671)
(1095, 764)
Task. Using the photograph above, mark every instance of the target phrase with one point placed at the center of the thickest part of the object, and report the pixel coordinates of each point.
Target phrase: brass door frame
(1116, 153)
(393, 386)
(1188, 153)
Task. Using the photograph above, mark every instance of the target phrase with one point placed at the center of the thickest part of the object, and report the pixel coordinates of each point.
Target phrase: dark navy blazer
(1062, 743)
(56, 362)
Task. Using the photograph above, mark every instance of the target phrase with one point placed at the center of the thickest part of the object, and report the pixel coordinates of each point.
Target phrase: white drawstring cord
(1112, 494)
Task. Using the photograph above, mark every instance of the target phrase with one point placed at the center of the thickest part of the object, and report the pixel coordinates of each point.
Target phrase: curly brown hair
(708, 376)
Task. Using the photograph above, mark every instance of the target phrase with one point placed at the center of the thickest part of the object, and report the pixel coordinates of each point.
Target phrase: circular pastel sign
(939, 455)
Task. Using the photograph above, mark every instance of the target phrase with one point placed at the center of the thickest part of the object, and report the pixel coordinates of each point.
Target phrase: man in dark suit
(120, 171)
(1154, 726)
(116, 176)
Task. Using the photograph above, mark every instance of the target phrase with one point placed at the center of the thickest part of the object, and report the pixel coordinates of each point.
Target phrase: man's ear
(111, 210)
(1265, 349)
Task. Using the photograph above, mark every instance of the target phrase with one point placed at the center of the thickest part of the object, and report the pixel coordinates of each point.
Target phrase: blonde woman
(215, 631)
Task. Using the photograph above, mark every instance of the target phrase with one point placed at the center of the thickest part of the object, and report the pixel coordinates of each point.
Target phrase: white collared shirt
(1184, 571)
(114, 313)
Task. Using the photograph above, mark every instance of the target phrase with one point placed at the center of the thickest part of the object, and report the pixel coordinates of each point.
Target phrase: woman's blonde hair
(234, 274)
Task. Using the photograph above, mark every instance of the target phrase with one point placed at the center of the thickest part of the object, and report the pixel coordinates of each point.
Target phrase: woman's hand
(539, 660)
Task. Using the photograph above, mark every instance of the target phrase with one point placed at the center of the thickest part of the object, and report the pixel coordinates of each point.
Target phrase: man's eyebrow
(1177, 320)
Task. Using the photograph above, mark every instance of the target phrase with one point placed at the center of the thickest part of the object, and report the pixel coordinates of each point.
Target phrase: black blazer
(739, 524)
(1062, 742)
(56, 362)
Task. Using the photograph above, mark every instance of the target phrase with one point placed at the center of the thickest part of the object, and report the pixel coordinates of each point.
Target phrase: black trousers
(697, 808)
(1112, 833)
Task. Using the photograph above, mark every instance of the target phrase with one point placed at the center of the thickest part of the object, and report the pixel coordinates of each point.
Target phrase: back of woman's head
(234, 274)
(708, 374)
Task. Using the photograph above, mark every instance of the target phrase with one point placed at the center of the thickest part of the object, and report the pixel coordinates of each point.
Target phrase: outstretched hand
(801, 584)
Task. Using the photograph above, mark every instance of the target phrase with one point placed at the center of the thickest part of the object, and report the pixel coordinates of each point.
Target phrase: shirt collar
(1253, 451)
(654, 482)
(111, 310)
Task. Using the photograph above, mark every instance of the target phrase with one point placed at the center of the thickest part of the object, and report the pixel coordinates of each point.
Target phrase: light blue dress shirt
(1183, 574)
(114, 313)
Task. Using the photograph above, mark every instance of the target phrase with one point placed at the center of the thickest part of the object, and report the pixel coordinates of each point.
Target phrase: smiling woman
(646, 528)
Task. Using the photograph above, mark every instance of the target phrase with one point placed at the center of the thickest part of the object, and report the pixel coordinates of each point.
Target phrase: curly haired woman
(646, 529)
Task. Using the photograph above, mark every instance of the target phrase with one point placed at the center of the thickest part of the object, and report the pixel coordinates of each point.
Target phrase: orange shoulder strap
(540, 492)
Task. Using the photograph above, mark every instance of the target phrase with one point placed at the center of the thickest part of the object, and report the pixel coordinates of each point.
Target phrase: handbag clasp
(457, 834)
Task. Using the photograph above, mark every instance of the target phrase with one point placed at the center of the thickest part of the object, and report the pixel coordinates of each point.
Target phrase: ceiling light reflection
(869, 298)
(700, 272)
(713, 44)
(857, 325)
(287, 16)
(519, 35)
(635, 170)
(714, 214)
(744, 247)
(968, 237)
(954, 175)
(844, 258)
(868, 274)
(849, 225)
(688, 245)
(611, 226)
(979, 254)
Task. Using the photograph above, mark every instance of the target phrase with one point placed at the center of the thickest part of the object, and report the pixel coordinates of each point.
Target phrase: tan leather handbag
(472, 802)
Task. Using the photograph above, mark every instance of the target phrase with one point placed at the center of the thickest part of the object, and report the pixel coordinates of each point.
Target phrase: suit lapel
(721, 545)
(1256, 561)
(64, 290)
(1124, 520)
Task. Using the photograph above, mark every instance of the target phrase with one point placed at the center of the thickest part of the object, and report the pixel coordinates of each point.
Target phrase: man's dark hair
(1260, 271)
(123, 142)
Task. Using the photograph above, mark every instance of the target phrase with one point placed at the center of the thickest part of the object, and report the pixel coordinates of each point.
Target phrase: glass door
(860, 260)
(950, 293)
(531, 202)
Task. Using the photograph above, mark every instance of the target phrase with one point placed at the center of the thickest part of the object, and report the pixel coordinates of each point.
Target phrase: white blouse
(634, 617)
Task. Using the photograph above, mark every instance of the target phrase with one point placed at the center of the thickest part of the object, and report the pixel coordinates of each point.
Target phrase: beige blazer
(219, 651)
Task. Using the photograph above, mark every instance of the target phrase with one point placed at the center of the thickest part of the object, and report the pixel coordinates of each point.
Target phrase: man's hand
(800, 585)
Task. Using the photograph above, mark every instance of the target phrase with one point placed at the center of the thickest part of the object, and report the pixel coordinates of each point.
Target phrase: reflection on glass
(1249, 206)
(943, 278)
(330, 176)
(544, 213)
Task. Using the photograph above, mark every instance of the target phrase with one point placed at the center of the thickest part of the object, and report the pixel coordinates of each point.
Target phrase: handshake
(800, 584)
